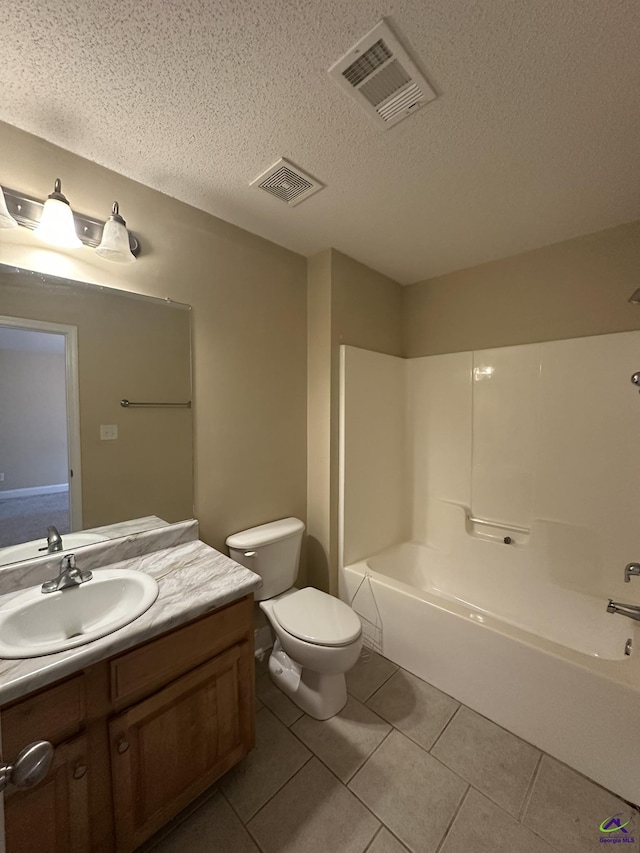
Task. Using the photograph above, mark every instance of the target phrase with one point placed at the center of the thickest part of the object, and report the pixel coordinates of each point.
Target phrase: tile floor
(402, 768)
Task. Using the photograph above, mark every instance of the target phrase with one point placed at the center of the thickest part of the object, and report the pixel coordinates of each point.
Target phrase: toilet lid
(316, 617)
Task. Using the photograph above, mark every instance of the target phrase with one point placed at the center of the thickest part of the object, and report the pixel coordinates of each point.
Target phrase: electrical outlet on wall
(1, 477)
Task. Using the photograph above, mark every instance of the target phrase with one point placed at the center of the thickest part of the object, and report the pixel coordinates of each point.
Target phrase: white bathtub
(545, 662)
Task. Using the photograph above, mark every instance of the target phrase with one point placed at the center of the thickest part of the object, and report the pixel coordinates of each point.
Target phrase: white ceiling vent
(287, 182)
(379, 74)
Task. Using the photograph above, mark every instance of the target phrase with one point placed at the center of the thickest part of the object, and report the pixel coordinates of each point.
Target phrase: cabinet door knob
(123, 746)
(79, 771)
(29, 768)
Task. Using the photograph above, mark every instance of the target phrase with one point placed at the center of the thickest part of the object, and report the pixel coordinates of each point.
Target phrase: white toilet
(318, 637)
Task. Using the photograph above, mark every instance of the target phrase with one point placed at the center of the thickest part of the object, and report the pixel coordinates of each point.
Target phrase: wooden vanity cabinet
(137, 737)
(167, 749)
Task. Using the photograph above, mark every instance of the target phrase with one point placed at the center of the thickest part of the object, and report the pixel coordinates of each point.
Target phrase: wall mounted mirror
(71, 455)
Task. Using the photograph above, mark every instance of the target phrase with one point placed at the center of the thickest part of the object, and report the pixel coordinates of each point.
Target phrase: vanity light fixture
(6, 219)
(30, 212)
(114, 245)
(56, 226)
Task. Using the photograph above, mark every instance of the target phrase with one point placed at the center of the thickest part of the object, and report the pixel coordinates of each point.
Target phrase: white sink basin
(34, 623)
(38, 547)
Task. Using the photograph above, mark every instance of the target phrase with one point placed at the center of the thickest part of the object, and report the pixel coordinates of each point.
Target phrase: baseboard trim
(34, 490)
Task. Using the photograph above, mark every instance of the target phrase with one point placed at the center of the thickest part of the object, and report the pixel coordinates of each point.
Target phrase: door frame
(72, 391)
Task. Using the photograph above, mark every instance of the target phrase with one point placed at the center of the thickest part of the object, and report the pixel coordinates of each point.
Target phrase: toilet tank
(271, 551)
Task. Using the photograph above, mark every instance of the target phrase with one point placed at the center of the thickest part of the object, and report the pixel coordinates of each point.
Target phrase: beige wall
(366, 307)
(576, 288)
(319, 419)
(352, 304)
(33, 419)
(249, 326)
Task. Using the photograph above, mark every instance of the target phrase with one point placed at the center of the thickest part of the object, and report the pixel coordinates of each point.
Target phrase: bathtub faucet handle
(631, 569)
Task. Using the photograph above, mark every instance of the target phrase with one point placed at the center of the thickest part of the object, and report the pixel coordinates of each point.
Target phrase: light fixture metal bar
(27, 211)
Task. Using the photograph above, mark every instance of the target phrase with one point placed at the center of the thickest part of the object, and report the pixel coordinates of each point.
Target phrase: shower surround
(488, 506)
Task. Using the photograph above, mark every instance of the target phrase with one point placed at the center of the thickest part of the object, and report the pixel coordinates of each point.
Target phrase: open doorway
(39, 430)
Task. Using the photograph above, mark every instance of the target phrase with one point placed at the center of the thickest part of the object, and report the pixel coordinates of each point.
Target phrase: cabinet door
(169, 748)
(54, 817)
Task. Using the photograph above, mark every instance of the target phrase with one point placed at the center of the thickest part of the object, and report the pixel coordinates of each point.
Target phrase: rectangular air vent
(379, 74)
(287, 182)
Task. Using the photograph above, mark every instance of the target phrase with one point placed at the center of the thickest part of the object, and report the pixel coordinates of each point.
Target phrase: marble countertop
(193, 579)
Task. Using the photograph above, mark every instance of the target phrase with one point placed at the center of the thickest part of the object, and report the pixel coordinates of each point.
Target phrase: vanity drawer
(144, 670)
(54, 714)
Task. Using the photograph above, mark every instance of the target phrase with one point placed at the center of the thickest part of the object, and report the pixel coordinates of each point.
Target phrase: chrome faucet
(630, 610)
(70, 576)
(631, 569)
(54, 540)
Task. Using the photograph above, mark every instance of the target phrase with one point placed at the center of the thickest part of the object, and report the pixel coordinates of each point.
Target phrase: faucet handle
(631, 569)
(68, 562)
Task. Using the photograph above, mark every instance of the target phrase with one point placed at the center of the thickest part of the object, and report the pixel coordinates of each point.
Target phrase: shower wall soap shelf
(497, 531)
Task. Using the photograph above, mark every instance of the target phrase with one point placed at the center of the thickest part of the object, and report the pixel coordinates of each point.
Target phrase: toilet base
(320, 695)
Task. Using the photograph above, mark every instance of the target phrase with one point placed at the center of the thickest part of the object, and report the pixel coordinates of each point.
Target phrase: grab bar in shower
(499, 524)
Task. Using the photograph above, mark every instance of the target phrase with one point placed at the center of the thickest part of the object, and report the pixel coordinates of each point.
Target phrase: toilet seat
(318, 618)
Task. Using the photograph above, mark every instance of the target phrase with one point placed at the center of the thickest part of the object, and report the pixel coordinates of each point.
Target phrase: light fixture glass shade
(6, 219)
(114, 245)
(56, 226)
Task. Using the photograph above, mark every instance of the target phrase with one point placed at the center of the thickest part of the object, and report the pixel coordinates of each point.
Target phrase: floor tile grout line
(369, 757)
(413, 740)
(380, 686)
(426, 751)
(508, 814)
(254, 839)
(338, 780)
(383, 825)
(315, 754)
(343, 782)
(485, 794)
(453, 819)
(378, 817)
(391, 832)
(346, 784)
(232, 807)
(368, 847)
(372, 813)
(529, 792)
(374, 750)
(445, 727)
(240, 820)
(266, 802)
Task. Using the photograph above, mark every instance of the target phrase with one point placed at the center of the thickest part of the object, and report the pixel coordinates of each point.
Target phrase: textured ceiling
(534, 138)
